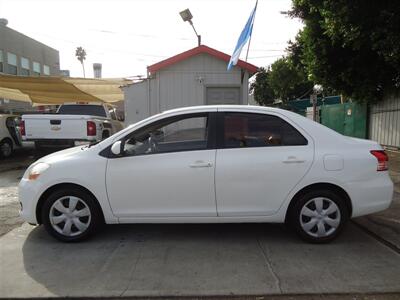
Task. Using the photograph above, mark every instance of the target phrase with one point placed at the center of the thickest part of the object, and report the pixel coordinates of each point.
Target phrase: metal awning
(58, 90)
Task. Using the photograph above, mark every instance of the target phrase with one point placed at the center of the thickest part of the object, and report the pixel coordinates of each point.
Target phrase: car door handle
(293, 160)
(201, 164)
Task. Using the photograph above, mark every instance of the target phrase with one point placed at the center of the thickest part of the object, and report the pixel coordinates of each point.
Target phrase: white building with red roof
(196, 77)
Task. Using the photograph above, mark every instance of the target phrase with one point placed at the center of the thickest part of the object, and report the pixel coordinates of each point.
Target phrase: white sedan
(210, 164)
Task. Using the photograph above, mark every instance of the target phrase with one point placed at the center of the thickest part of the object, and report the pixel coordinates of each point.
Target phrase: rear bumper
(371, 196)
(59, 143)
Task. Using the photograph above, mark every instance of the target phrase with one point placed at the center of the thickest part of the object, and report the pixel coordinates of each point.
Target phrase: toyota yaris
(210, 164)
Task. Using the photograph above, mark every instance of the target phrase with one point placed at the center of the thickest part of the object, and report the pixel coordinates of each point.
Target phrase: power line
(266, 56)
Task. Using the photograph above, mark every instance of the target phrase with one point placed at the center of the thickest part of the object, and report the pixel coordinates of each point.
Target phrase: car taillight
(382, 158)
(22, 128)
(91, 128)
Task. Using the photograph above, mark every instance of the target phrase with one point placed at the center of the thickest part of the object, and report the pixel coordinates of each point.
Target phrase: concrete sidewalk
(386, 225)
(194, 260)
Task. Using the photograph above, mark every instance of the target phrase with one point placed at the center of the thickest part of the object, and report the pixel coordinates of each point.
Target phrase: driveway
(228, 259)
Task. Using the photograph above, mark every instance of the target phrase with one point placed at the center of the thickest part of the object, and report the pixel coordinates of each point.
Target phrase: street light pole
(317, 89)
(198, 35)
(187, 16)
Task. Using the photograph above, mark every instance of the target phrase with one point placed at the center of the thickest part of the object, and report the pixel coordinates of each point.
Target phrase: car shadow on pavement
(207, 259)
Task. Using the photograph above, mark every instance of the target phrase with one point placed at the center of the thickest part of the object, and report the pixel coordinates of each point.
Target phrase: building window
(36, 68)
(1, 61)
(46, 70)
(12, 63)
(25, 69)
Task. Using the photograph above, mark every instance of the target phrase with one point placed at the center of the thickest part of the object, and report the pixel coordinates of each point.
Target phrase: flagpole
(248, 45)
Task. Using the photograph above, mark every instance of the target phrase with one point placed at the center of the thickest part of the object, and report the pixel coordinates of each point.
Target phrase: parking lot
(196, 260)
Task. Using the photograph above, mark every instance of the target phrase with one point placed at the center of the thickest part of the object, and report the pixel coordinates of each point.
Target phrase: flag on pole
(243, 38)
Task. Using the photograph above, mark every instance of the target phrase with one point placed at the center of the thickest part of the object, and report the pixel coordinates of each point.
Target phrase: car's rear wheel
(6, 148)
(319, 216)
(71, 215)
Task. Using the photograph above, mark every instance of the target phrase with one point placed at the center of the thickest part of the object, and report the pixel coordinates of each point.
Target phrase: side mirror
(116, 148)
(121, 118)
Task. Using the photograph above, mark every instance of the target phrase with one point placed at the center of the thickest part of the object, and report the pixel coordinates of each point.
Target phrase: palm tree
(80, 54)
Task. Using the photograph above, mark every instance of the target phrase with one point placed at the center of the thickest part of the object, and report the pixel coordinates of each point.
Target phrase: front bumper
(28, 193)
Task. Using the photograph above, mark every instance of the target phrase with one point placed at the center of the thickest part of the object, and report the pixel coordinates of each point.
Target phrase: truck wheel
(105, 135)
(71, 215)
(6, 148)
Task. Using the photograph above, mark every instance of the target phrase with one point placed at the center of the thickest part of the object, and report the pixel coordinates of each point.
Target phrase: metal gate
(349, 118)
(384, 125)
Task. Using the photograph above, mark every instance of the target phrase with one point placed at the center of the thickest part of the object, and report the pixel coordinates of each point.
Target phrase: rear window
(82, 109)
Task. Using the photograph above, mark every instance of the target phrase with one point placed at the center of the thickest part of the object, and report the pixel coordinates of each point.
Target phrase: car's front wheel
(71, 214)
(319, 216)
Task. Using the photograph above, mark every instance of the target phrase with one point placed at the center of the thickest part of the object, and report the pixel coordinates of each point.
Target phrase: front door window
(182, 133)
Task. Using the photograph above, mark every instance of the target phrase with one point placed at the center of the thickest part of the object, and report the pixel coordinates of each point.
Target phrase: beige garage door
(223, 95)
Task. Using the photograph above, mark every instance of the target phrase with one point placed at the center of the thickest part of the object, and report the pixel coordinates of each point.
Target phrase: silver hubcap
(5, 149)
(70, 216)
(320, 217)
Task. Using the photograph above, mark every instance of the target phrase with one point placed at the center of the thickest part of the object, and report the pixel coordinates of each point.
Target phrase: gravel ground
(9, 205)
(11, 171)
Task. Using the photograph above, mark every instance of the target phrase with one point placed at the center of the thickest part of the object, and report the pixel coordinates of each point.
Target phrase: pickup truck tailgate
(56, 127)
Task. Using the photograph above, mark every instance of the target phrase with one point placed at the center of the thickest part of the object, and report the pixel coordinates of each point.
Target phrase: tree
(80, 54)
(282, 80)
(352, 47)
(263, 93)
(289, 82)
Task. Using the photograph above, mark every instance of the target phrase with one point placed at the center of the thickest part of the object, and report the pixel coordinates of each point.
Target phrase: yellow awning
(58, 90)
(14, 94)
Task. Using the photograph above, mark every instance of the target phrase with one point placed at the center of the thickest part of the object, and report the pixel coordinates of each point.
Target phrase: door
(166, 170)
(223, 95)
(349, 118)
(260, 158)
(355, 120)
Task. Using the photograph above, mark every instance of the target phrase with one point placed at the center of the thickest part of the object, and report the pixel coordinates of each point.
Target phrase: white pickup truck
(73, 124)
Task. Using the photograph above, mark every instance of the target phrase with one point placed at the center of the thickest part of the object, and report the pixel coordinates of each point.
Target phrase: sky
(126, 36)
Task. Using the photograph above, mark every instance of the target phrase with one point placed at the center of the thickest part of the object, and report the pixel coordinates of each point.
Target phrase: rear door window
(243, 130)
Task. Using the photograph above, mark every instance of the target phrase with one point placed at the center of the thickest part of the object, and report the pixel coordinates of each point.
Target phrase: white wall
(179, 85)
(136, 102)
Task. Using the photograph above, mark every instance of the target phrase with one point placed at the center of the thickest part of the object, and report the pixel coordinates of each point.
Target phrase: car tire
(319, 216)
(6, 148)
(71, 215)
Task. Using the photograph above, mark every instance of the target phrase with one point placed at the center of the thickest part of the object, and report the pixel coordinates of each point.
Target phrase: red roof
(198, 50)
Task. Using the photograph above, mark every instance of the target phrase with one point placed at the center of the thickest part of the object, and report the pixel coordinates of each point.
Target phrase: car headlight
(36, 170)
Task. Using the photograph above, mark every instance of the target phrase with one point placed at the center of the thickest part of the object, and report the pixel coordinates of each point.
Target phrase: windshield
(82, 109)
